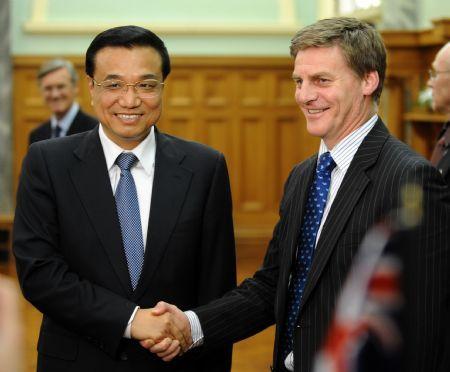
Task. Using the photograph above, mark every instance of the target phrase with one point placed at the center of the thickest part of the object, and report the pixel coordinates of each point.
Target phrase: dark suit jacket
(444, 163)
(371, 188)
(71, 263)
(82, 122)
(444, 166)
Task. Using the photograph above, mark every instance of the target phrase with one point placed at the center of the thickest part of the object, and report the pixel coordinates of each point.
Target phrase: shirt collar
(67, 119)
(344, 151)
(145, 151)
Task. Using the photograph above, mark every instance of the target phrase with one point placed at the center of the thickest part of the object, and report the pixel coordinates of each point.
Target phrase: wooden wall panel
(252, 165)
(216, 90)
(181, 125)
(253, 90)
(218, 134)
(244, 107)
(283, 92)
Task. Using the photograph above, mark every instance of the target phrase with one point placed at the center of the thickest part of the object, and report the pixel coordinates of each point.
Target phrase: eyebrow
(142, 77)
(313, 76)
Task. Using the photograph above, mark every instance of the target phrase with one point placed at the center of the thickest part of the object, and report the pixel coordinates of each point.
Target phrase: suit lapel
(47, 131)
(355, 182)
(91, 180)
(170, 186)
(294, 215)
(289, 242)
(77, 121)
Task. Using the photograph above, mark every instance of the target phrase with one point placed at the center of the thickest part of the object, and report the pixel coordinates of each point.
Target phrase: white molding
(39, 10)
(78, 28)
(287, 12)
(370, 15)
(327, 8)
(287, 24)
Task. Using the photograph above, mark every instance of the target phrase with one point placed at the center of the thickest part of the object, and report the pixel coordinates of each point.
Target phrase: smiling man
(330, 201)
(58, 80)
(112, 220)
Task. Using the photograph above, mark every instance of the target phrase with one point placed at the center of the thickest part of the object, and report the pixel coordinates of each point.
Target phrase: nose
(54, 92)
(305, 93)
(129, 98)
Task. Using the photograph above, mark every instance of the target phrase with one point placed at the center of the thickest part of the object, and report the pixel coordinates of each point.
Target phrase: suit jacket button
(123, 356)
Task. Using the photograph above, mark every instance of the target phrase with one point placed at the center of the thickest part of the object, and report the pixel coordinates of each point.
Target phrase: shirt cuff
(289, 362)
(196, 329)
(127, 333)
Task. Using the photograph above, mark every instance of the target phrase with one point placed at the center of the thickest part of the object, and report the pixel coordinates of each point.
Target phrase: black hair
(126, 37)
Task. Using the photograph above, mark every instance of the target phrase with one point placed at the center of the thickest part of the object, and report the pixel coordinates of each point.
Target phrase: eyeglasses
(145, 89)
(433, 73)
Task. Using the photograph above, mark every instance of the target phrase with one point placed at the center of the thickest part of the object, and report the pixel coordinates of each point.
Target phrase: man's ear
(91, 87)
(90, 84)
(370, 82)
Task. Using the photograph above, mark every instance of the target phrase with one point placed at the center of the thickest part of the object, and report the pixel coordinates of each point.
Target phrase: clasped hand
(164, 330)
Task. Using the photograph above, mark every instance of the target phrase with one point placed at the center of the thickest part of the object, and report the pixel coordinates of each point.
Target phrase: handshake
(163, 330)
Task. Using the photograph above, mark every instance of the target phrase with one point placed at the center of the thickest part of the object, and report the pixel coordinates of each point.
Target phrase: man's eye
(112, 84)
(147, 85)
(323, 81)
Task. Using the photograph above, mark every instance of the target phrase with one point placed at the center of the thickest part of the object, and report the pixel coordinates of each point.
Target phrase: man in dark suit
(112, 220)
(329, 203)
(439, 83)
(58, 80)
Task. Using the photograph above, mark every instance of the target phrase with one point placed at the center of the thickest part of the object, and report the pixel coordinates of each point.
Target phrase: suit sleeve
(218, 260)
(44, 275)
(217, 273)
(426, 276)
(249, 308)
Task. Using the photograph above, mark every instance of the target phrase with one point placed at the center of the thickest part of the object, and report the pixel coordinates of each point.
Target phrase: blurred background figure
(58, 80)
(439, 83)
(10, 327)
(371, 327)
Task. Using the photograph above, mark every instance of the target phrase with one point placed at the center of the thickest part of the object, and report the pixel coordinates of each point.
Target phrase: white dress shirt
(143, 173)
(66, 121)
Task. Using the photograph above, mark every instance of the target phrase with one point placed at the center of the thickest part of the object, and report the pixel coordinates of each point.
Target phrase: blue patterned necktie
(129, 217)
(315, 205)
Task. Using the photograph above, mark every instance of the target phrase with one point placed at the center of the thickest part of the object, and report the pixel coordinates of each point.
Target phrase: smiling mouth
(128, 117)
(316, 111)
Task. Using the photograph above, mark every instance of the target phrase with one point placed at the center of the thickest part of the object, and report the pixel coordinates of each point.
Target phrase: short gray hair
(56, 64)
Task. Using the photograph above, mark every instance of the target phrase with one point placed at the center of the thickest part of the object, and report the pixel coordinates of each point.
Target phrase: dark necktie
(315, 205)
(56, 131)
(129, 217)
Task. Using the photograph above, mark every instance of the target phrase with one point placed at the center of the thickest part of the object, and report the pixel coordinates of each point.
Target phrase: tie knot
(56, 130)
(326, 163)
(126, 160)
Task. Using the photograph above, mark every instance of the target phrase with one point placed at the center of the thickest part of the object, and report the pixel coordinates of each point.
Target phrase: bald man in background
(57, 80)
(439, 83)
